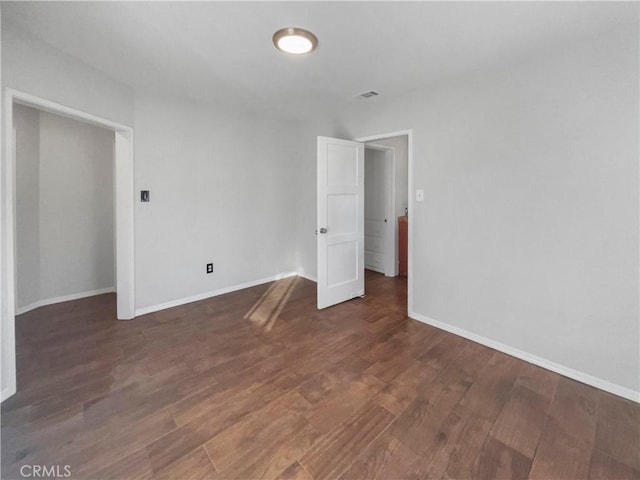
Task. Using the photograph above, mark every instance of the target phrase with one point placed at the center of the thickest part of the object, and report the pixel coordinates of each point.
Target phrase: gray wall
(528, 234)
(64, 207)
(35, 67)
(223, 187)
(26, 122)
(76, 207)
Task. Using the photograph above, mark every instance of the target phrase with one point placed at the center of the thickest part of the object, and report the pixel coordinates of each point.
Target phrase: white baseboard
(215, 293)
(65, 298)
(7, 392)
(527, 357)
(307, 277)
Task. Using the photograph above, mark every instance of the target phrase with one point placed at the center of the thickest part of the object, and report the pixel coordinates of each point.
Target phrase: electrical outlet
(144, 195)
(209, 267)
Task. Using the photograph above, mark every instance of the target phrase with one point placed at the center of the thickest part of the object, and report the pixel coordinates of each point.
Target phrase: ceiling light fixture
(296, 41)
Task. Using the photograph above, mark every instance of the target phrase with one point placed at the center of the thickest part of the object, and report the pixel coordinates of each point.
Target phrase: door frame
(391, 227)
(410, 209)
(124, 217)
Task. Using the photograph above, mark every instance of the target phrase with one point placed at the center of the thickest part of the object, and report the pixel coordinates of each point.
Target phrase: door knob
(323, 230)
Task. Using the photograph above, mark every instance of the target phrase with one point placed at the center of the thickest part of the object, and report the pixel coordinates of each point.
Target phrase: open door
(340, 220)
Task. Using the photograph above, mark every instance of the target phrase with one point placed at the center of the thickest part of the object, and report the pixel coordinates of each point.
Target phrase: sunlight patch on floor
(266, 310)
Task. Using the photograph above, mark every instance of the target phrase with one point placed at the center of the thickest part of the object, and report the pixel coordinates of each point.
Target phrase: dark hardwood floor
(259, 384)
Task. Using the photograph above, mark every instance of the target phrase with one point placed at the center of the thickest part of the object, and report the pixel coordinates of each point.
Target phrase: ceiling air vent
(369, 94)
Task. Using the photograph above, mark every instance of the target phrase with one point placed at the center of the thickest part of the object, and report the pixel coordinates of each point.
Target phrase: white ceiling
(222, 51)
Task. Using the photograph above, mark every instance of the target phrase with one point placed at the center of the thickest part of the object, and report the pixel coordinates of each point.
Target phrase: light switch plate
(419, 195)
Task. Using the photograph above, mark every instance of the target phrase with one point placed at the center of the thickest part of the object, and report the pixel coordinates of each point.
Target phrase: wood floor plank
(488, 394)
(200, 430)
(265, 442)
(618, 429)
(193, 466)
(560, 454)
(385, 458)
(134, 466)
(603, 467)
(100, 455)
(539, 380)
(269, 452)
(426, 425)
(25, 442)
(295, 471)
(411, 382)
(322, 384)
(333, 454)
(442, 351)
(460, 458)
(498, 461)
(428, 421)
(520, 423)
(567, 442)
(347, 347)
(337, 408)
(392, 403)
(260, 384)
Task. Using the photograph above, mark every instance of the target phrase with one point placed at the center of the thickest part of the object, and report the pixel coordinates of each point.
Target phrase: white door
(375, 209)
(340, 220)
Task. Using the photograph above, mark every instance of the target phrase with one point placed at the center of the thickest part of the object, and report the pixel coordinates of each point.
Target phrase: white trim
(306, 276)
(381, 148)
(124, 224)
(7, 392)
(215, 293)
(7, 247)
(535, 360)
(58, 109)
(64, 298)
(410, 213)
(6, 307)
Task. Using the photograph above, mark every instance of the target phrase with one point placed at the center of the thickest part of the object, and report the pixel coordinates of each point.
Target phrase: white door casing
(340, 227)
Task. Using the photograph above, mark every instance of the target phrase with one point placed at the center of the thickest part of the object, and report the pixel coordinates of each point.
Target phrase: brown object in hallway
(260, 384)
(403, 245)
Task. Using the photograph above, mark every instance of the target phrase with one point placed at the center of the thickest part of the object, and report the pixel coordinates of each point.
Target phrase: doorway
(341, 216)
(380, 245)
(386, 211)
(64, 220)
(123, 194)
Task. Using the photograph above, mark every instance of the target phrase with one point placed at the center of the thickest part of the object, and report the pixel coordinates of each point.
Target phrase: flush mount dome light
(296, 41)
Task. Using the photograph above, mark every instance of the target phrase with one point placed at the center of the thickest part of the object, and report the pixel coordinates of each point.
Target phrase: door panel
(342, 165)
(343, 258)
(374, 261)
(373, 244)
(375, 206)
(340, 220)
(342, 214)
